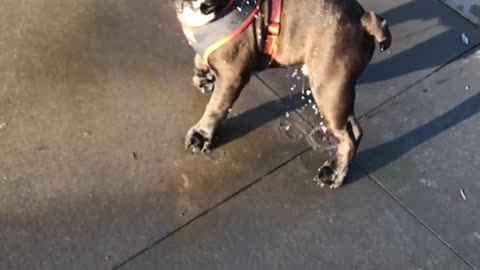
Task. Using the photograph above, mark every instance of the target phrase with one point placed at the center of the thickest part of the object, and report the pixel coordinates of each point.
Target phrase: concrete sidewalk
(95, 99)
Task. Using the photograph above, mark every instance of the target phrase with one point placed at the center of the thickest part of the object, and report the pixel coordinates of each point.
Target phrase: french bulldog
(332, 40)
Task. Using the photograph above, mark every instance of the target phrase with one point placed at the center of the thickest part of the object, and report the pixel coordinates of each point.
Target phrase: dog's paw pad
(197, 141)
(205, 84)
(325, 176)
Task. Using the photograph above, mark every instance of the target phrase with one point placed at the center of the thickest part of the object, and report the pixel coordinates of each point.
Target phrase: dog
(332, 40)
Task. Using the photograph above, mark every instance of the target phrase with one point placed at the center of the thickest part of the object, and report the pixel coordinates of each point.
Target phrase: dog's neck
(195, 14)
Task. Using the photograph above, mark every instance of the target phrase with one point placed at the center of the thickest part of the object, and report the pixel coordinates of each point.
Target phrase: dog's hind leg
(335, 99)
(227, 89)
(203, 76)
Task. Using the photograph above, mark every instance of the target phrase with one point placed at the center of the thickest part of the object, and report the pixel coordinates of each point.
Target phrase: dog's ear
(208, 6)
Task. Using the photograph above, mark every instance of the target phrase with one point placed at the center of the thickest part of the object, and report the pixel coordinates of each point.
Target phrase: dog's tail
(378, 28)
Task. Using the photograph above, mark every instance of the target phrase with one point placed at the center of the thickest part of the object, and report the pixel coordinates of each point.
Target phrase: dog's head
(195, 13)
(206, 7)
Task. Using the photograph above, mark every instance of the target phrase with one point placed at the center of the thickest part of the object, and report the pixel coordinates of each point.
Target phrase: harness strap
(235, 33)
(208, 38)
(273, 30)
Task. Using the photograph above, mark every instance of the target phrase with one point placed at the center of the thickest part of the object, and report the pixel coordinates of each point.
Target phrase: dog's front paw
(197, 140)
(204, 82)
(327, 177)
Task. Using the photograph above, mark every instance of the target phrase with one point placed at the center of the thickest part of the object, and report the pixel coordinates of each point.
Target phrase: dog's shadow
(371, 159)
(240, 125)
(435, 51)
(374, 159)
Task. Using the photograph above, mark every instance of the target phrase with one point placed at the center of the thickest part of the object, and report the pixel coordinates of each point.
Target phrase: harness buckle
(274, 28)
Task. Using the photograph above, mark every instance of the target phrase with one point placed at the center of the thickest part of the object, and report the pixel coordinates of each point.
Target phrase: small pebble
(87, 133)
(3, 126)
(287, 128)
(467, 87)
(287, 114)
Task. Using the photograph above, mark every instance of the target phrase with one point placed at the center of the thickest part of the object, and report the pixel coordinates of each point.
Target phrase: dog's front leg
(203, 77)
(228, 86)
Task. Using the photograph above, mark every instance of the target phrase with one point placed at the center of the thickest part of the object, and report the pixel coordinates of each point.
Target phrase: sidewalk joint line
(387, 101)
(208, 210)
(415, 217)
(459, 14)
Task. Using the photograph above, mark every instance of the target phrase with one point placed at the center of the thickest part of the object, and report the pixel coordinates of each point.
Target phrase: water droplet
(295, 73)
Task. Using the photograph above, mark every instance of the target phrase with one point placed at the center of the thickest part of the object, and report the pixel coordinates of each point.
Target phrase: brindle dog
(333, 40)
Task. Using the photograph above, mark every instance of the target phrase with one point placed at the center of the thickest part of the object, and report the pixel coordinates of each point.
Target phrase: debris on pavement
(87, 133)
(465, 39)
(3, 126)
(462, 192)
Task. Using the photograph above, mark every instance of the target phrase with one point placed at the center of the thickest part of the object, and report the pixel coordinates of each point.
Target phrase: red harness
(273, 31)
(271, 43)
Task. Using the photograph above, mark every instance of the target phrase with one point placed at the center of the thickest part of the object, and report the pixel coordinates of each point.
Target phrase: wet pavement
(95, 99)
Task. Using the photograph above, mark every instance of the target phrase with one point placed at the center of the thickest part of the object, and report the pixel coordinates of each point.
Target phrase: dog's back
(329, 27)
